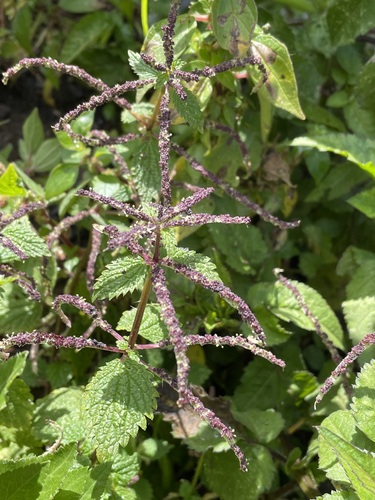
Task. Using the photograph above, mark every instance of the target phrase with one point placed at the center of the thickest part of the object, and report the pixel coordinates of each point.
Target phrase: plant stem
(144, 16)
(144, 297)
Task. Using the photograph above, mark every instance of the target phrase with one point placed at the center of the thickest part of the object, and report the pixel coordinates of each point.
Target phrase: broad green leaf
(363, 405)
(22, 482)
(111, 186)
(362, 283)
(63, 406)
(97, 482)
(358, 464)
(9, 371)
(356, 149)
(152, 327)
(264, 425)
(116, 403)
(85, 33)
(80, 6)
(281, 302)
(120, 277)
(347, 19)
(193, 260)
(125, 466)
(360, 319)
(83, 124)
(17, 311)
(59, 465)
(140, 68)
(23, 235)
(280, 87)
(364, 91)
(48, 155)
(233, 24)
(73, 484)
(365, 202)
(61, 178)
(146, 171)
(184, 30)
(189, 109)
(21, 27)
(33, 133)
(221, 473)
(8, 183)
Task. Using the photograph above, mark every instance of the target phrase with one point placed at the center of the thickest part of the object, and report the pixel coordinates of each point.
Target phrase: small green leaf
(201, 263)
(152, 327)
(61, 178)
(59, 465)
(97, 483)
(33, 133)
(32, 185)
(140, 68)
(281, 86)
(154, 449)
(8, 183)
(9, 371)
(363, 405)
(21, 27)
(120, 277)
(49, 154)
(365, 202)
(233, 24)
(145, 169)
(356, 149)
(358, 464)
(83, 124)
(264, 425)
(347, 19)
(25, 237)
(360, 319)
(189, 109)
(17, 312)
(85, 33)
(116, 403)
(125, 466)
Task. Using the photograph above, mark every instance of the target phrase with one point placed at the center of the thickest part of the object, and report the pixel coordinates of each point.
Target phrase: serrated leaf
(363, 405)
(146, 171)
(9, 371)
(32, 131)
(281, 86)
(222, 474)
(196, 261)
(125, 467)
(116, 403)
(17, 311)
(63, 406)
(8, 183)
(365, 202)
(96, 483)
(189, 109)
(120, 277)
(61, 178)
(85, 33)
(59, 464)
(356, 149)
(140, 68)
(24, 236)
(233, 24)
(358, 464)
(282, 303)
(347, 19)
(152, 327)
(22, 482)
(184, 30)
(264, 425)
(360, 319)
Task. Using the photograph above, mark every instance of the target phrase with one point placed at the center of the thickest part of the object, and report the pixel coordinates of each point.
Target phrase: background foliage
(319, 170)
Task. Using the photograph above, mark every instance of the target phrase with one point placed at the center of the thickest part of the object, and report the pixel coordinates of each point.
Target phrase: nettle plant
(134, 225)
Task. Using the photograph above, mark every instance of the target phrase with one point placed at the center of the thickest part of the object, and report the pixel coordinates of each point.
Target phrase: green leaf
(184, 31)
(264, 425)
(116, 403)
(9, 371)
(22, 482)
(358, 464)
(21, 27)
(111, 186)
(356, 149)
(347, 19)
(17, 312)
(52, 476)
(48, 155)
(85, 33)
(8, 183)
(120, 277)
(33, 186)
(152, 327)
(281, 302)
(83, 124)
(125, 466)
(96, 484)
(365, 202)
(281, 86)
(189, 109)
(233, 24)
(80, 6)
(363, 403)
(154, 449)
(201, 263)
(25, 237)
(364, 91)
(146, 171)
(360, 319)
(140, 68)
(222, 474)
(62, 178)
(63, 406)
(361, 283)
(33, 133)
